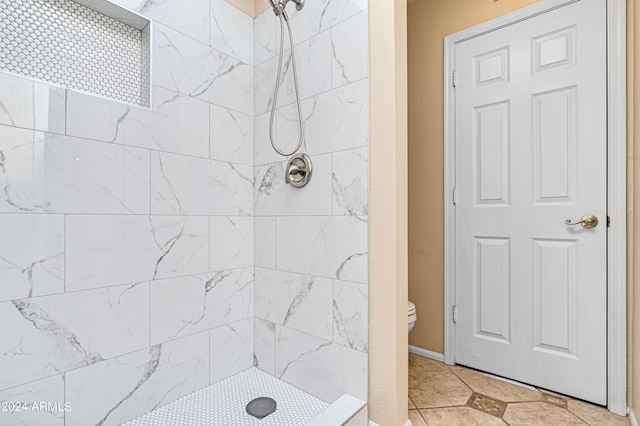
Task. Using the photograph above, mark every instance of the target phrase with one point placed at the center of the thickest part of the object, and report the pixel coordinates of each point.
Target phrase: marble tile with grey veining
(194, 186)
(300, 302)
(263, 152)
(231, 349)
(273, 196)
(53, 334)
(31, 255)
(185, 66)
(50, 390)
(351, 315)
(264, 79)
(351, 182)
(192, 21)
(187, 305)
(288, 129)
(350, 50)
(285, 132)
(110, 250)
(264, 342)
(231, 31)
(231, 136)
(313, 64)
(31, 105)
(333, 247)
(70, 175)
(320, 15)
(112, 392)
(265, 242)
(176, 123)
(231, 242)
(264, 36)
(340, 119)
(319, 367)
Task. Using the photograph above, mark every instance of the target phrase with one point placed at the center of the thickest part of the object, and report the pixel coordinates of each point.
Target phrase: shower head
(280, 5)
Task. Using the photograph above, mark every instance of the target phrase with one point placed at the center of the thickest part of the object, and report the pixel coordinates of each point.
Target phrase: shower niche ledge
(91, 46)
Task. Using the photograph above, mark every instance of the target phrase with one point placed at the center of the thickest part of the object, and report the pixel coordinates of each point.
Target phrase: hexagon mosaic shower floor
(224, 402)
(440, 395)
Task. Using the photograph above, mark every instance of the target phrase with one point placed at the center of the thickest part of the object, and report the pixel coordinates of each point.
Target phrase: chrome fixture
(279, 7)
(299, 171)
(588, 221)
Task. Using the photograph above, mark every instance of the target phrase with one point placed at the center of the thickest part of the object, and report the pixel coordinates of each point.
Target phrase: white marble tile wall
(149, 253)
(231, 349)
(31, 105)
(127, 248)
(50, 389)
(120, 389)
(311, 244)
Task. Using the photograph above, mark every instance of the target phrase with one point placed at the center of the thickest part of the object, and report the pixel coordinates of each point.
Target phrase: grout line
(305, 274)
(422, 416)
(123, 145)
(149, 336)
(173, 215)
(303, 99)
(130, 284)
(193, 39)
(318, 154)
(66, 254)
(150, 182)
(64, 397)
(66, 110)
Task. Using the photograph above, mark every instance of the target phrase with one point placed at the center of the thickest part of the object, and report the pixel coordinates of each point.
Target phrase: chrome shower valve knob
(299, 170)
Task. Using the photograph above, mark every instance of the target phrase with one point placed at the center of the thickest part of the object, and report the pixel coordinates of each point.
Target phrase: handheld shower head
(280, 5)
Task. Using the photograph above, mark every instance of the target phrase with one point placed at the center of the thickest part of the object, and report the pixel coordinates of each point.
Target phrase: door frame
(616, 187)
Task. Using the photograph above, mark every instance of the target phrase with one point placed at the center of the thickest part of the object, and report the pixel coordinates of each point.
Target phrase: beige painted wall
(261, 6)
(250, 7)
(388, 363)
(429, 23)
(633, 198)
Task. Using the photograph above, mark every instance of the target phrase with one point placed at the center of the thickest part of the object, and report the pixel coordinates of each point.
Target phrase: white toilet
(411, 313)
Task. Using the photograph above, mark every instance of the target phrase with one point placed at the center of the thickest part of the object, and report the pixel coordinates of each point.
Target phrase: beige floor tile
(459, 416)
(595, 415)
(496, 388)
(416, 418)
(411, 406)
(437, 388)
(417, 362)
(539, 414)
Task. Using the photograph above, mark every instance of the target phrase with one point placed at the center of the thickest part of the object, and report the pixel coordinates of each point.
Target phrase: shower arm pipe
(282, 14)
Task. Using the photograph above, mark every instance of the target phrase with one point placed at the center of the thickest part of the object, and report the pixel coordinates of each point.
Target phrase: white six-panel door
(531, 152)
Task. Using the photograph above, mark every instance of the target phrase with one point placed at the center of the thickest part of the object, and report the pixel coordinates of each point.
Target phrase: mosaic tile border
(72, 45)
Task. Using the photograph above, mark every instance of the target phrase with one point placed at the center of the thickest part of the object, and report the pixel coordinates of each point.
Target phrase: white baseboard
(633, 420)
(425, 353)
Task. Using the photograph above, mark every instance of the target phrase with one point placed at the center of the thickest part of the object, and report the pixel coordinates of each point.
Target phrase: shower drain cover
(261, 407)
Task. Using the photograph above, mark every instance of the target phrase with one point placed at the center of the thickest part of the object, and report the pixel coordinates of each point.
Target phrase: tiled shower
(148, 253)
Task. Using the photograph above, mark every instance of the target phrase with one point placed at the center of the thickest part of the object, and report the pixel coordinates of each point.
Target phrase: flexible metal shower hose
(284, 19)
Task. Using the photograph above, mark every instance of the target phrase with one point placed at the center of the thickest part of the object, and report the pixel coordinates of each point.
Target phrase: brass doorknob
(588, 221)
